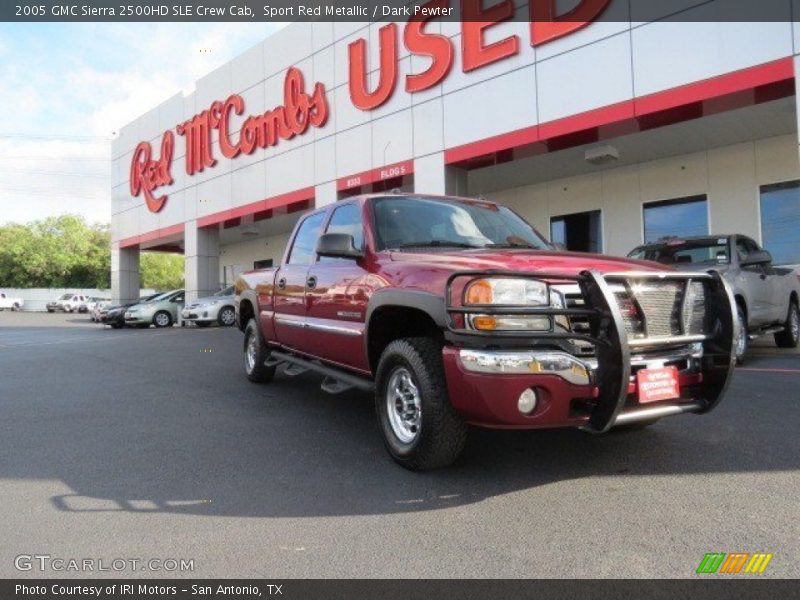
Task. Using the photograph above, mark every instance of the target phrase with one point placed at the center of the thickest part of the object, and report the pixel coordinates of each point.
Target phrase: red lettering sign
(436, 46)
(148, 174)
(387, 81)
(547, 26)
(476, 53)
(299, 112)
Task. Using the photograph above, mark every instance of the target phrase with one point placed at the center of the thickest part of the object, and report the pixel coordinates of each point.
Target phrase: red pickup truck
(456, 312)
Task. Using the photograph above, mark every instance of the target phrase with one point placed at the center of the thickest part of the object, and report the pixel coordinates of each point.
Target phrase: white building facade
(603, 136)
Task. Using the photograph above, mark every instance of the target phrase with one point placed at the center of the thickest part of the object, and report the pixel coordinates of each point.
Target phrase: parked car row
(767, 297)
(71, 302)
(167, 308)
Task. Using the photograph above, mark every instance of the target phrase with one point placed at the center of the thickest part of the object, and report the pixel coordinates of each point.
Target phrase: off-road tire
(255, 369)
(788, 338)
(442, 432)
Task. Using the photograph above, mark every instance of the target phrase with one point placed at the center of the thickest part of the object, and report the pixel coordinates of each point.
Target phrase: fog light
(527, 402)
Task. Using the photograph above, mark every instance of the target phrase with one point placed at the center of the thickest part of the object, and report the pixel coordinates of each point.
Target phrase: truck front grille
(652, 308)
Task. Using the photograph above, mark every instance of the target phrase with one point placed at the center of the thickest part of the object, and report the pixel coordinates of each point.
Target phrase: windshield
(419, 222)
(228, 291)
(685, 252)
(65, 297)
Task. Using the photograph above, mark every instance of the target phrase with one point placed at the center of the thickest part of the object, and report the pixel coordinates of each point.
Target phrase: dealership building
(603, 134)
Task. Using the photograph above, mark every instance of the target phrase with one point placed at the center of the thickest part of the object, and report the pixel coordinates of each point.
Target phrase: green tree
(55, 252)
(161, 271)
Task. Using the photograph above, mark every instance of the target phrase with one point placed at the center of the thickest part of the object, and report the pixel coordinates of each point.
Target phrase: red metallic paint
(341, 296)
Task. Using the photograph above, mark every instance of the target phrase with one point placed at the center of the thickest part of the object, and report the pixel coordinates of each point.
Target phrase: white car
(217, 308)
(10, 303)
(67, 303)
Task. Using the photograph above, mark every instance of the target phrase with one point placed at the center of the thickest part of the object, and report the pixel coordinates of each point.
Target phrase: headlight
(507, 292)
(510, 292)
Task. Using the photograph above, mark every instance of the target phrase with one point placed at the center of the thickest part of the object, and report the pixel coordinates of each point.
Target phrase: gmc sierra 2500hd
(456, 312)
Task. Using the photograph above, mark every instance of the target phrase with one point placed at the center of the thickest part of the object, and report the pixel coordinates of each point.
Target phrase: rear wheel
(421, 430)
(226, 316)
(256, 354)
(742, 338)
(790, 336)
(162, 319)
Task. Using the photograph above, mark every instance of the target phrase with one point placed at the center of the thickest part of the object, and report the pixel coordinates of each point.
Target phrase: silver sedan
(217, 308)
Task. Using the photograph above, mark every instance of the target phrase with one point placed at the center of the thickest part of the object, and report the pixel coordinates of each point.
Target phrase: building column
(125, 281)
(201, 261)
(432, 176)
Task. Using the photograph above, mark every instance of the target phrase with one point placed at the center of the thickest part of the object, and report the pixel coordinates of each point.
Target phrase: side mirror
(338, 245)
(762, 257)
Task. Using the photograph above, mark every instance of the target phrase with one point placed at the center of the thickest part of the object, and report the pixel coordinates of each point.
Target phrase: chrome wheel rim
(741, 339)
(403, 405)
(794, 323)
(227, 316)
(250, 354)
(162, 320)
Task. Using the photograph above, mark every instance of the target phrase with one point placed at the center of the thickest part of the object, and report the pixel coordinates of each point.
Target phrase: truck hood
(528, 261)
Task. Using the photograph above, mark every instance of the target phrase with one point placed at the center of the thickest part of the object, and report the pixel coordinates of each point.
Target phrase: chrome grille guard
(609, 336)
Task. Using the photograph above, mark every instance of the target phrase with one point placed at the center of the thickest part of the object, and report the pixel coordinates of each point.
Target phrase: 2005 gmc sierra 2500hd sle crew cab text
(456, 312)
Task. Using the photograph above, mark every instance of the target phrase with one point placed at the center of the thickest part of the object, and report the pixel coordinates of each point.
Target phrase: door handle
(282, 283)
(311, 282)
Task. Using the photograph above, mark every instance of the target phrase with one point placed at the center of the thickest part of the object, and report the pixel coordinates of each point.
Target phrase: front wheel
(420, 428)
(162, 319)
(226, 316)
(256, 354)
(790, 336)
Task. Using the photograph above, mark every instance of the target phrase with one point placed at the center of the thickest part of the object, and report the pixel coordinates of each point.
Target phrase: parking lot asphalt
(139, 444)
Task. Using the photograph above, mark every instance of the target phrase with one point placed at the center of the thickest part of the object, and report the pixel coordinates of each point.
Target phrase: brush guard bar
(609, 336)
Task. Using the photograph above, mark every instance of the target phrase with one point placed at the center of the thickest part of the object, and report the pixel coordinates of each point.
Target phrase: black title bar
(275, 11)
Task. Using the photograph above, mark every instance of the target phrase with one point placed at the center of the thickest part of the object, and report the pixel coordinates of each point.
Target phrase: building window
(683, 217)
(780, 222)
(578, 232)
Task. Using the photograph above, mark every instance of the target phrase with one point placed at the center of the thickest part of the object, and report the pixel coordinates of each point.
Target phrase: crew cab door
(290, 284)
(759, 281)
(337, 292)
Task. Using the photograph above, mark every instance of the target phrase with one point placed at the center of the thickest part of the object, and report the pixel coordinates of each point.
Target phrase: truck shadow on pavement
(168, 424)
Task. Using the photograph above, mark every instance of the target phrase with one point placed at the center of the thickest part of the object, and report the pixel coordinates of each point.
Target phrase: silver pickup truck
(767, 297)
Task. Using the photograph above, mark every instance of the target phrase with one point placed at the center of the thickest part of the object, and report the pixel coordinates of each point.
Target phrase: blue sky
(66, 88)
